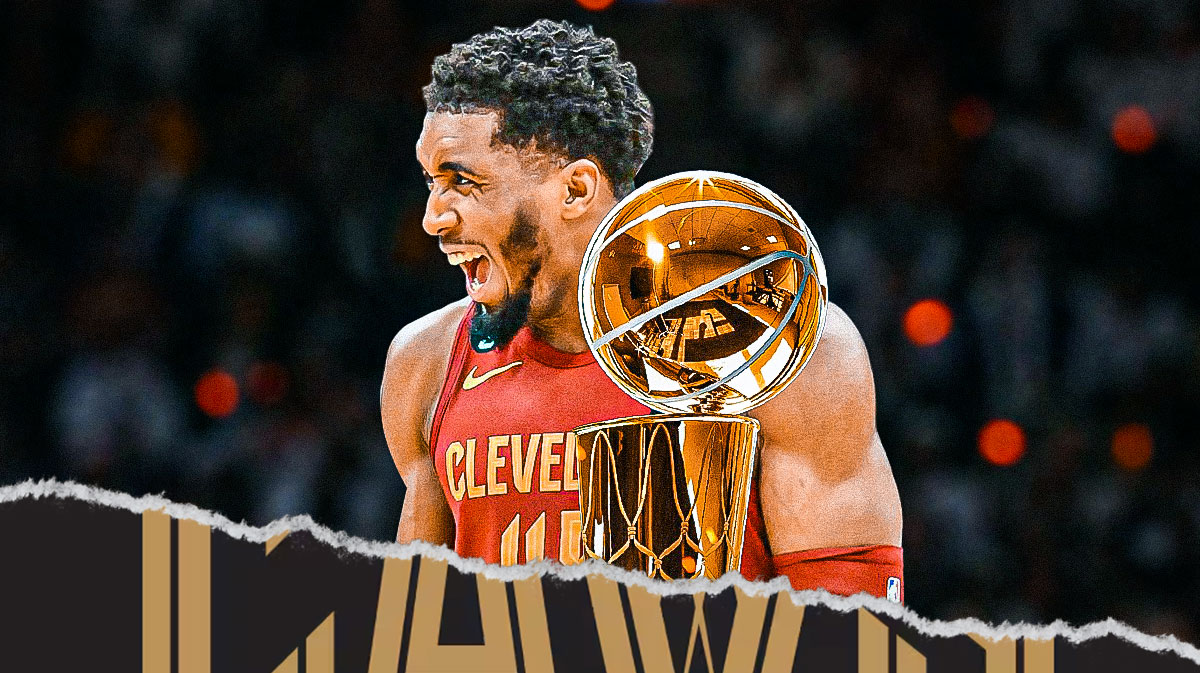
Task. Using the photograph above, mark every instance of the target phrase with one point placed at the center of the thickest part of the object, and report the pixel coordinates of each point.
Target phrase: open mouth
(476, 266)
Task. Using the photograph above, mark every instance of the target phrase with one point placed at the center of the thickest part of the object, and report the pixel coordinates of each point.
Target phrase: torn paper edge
(52, 488)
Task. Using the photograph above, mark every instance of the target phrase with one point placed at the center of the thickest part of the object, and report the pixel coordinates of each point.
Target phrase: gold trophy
(702, 295)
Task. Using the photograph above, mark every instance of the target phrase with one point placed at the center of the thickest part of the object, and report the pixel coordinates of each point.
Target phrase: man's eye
(429, 181)
(460, 181)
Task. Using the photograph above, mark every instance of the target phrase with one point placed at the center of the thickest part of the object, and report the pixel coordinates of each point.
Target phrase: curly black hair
(553, 84)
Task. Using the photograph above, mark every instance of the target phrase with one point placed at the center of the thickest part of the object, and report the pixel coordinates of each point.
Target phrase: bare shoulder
(412, 375)
(413, 344)
(841, 359)
(832, 400)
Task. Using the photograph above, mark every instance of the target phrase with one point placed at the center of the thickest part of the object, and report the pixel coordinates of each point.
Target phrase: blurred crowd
(210, 231)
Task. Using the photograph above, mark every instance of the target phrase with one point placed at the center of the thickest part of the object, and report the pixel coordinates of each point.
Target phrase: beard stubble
(495, 328)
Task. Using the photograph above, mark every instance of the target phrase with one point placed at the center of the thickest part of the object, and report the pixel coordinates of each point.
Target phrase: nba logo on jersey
(893, 589)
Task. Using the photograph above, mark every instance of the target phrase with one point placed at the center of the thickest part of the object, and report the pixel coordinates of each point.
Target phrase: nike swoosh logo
(473, 381)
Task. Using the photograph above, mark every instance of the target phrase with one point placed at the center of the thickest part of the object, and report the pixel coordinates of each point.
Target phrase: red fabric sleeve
(756, 553)
(875, 569)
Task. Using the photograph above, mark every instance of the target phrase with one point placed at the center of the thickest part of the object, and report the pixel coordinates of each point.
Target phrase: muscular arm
(825, 480)
(412, 379)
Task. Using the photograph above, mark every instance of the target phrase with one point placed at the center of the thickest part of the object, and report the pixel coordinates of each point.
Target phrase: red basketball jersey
(506, 457)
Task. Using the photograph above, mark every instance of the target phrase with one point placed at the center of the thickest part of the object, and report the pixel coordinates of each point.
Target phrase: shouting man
(531, 136)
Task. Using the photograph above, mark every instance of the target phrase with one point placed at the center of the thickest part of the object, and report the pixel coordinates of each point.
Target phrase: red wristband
(875, 569)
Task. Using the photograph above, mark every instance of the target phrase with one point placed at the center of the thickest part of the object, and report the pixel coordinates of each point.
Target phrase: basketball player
(531, 136)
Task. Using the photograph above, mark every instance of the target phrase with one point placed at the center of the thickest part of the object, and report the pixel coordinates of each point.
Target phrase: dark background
(209, 202)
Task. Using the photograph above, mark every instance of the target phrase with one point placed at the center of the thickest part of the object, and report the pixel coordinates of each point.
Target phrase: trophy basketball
(702, 296)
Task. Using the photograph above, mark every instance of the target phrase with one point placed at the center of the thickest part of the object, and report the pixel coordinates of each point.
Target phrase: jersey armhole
(458, 357)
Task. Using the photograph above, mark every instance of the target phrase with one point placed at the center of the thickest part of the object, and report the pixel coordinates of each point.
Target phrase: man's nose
(438, 216)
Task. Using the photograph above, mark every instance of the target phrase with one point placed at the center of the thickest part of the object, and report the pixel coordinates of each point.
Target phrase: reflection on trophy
(702, 295)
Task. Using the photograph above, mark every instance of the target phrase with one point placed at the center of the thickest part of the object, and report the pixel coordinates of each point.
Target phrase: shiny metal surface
(666, 495)
(702, 292)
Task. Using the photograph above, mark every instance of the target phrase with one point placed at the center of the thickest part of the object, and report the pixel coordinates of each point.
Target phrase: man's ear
(582, 181)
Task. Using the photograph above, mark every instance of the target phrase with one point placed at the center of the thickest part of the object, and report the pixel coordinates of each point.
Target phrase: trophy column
(667, 495)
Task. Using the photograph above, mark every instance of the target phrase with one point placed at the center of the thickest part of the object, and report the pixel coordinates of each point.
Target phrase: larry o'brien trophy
(702, 295)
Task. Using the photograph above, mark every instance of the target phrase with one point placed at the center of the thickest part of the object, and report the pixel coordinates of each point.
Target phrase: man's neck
(560, 326)
(561, 333)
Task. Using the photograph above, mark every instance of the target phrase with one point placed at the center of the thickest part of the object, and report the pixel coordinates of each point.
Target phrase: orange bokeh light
(217, 393)
(1001, 442)
(971, 118)
(1133, 130)
(1132, 446)
(595, 5)
(927, 322)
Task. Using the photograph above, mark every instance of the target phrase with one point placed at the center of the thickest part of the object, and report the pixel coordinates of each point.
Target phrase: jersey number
(535, 539)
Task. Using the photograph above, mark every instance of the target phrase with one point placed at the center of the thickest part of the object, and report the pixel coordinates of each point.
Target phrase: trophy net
(667, 495)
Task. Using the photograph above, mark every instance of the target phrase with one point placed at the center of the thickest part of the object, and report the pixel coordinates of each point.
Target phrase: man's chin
(493, 326)
(491, 294)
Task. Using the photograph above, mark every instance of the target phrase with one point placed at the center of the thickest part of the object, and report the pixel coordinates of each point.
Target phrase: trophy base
(667, 495)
